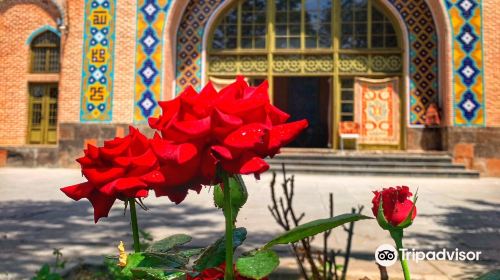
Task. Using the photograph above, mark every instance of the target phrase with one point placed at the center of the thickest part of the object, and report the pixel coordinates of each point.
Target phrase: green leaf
(382, 221)
(258, 265)
(215, 254)
(156, 274)
(239, 195)
(312, 228)
(167, 244)
(148, 273)
(45, 274)
(45, 270)
(492, 275)
(133, 261)
(170, 260)
(191, 252)
(151, 260)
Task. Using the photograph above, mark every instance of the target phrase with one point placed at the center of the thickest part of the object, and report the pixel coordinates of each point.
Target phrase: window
(354, 24)
(243, 27)
(45, 53)
(362, 20)
(347, 100)
(383, 33)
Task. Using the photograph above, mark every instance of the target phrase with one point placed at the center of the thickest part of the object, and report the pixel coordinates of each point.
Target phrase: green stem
(228, 215)
(135, 228)
(397, 235)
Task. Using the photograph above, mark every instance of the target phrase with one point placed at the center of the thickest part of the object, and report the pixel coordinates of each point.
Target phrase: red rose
(217, 273)
(114, 171)
(234, 128)
(395, 203)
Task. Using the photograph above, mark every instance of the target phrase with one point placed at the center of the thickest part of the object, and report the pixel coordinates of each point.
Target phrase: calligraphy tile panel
(98, 51)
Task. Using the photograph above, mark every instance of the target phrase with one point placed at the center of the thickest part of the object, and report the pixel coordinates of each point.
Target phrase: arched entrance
(320, 57)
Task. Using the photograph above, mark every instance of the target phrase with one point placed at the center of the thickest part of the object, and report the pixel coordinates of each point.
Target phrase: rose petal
(222, 152)
(208, 166)
(281, 135)
(247, 136)
(99, 176)
(78, 191)
(248, 163)
(101, 203)
(122, 184)
(401, 212)
(174, 153)
(276, 115)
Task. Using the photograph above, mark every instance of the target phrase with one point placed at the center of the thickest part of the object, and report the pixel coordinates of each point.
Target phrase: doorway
(42, 126)
(306, 98)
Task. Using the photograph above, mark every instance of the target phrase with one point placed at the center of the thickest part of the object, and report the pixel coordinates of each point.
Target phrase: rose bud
(393, 209)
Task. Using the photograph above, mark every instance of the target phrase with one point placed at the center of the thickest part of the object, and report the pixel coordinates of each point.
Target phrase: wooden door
(42, 114)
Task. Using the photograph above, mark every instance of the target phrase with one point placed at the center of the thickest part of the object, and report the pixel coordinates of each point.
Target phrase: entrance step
(373, 164)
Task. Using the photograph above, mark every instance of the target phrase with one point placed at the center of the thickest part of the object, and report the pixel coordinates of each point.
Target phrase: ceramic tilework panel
(98, 51)
(151, 20)
(189, 42)
(468, 99)
(423, 56)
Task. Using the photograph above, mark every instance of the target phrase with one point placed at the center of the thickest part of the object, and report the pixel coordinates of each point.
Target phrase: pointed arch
(41, 30)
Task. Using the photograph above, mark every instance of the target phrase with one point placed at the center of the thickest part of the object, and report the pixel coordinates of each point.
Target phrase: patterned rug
(377, 110)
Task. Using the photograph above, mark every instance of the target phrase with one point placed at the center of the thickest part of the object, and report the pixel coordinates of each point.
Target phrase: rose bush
(115, 171)
(206, 138)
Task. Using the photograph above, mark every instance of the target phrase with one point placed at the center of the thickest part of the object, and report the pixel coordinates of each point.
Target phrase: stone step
(366, 163)
(434, 164)
(398, 157)
(378, 171)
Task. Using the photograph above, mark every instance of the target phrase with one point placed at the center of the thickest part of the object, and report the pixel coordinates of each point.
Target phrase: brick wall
(491, 22)
(71, 77)
(123, 98)
(17, 23)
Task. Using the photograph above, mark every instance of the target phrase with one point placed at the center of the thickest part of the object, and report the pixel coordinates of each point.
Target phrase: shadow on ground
(472, 226)
(30, 230)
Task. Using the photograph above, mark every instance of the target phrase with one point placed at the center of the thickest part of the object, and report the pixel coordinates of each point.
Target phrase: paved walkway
(453, 213)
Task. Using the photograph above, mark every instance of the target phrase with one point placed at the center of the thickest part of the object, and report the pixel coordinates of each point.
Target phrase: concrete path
(453, 213)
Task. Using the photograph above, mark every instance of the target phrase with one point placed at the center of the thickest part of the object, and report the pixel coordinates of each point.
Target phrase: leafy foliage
(45, 273)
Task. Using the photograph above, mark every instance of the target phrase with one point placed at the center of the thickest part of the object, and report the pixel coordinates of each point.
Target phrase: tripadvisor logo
(387, 255)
